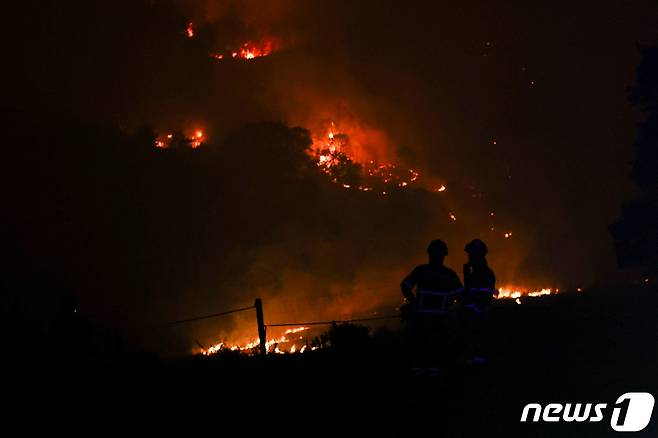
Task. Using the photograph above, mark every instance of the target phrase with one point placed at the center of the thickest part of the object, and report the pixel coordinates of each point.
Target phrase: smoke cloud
(473, 97)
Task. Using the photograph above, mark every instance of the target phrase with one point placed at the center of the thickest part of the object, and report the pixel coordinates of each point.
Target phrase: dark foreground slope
(575, 347)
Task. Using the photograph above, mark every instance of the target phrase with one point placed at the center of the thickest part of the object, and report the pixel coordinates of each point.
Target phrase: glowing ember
(190, 30)
(197, 140)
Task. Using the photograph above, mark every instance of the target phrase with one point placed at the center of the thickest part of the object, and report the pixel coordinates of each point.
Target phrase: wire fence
(283, 324)
(347, 321)
(212, 315)
(261, 326)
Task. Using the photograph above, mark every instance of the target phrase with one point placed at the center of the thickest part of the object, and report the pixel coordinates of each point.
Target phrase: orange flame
(516, 293)
(250, 50)
(296, 330)
(197, 139)
(276, 345)
(279, 345)
(193, 140)
(333, 153)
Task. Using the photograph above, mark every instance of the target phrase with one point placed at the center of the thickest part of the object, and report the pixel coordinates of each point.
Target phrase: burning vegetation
(351, 156)
(331, 151)
(297, 340)
(516, 293)
(194, 139)
(248, 50)
(290, 342)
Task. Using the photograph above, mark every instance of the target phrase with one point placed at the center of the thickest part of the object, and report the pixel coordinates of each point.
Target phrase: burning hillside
(298, 340)
(362, 141)
(290, 342)
(248, 50)
(333, 154)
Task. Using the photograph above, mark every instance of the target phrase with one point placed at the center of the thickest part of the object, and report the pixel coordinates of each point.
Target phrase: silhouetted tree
(636, 233)
(349, 337)
(144, 138)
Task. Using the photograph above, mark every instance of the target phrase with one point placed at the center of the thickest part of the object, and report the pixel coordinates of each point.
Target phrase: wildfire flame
(332, 156)
(296, 330)
(277, 345)
(271, 345)
(194, 139)
(197, 139)
(335, 157)
(515, 293)
(249, 50)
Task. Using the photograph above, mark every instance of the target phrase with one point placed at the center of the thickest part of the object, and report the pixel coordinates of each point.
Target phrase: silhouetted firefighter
(436, 288)
(479, 290)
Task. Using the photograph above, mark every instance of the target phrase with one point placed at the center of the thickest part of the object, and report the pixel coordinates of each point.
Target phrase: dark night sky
(439, 82)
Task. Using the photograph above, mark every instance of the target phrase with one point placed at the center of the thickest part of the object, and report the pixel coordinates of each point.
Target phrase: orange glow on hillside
(249, 50)
(192, 139)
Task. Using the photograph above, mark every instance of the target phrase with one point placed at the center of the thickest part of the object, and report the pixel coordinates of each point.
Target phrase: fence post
(261, 325)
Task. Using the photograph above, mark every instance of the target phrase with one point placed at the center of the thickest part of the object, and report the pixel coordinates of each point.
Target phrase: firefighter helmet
(438, 247)
(476, 247)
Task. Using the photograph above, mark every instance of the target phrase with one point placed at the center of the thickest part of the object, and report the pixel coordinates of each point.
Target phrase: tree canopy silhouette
(636, 233)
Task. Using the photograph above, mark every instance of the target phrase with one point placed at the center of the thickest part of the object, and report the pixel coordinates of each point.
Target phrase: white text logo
(631, 412)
